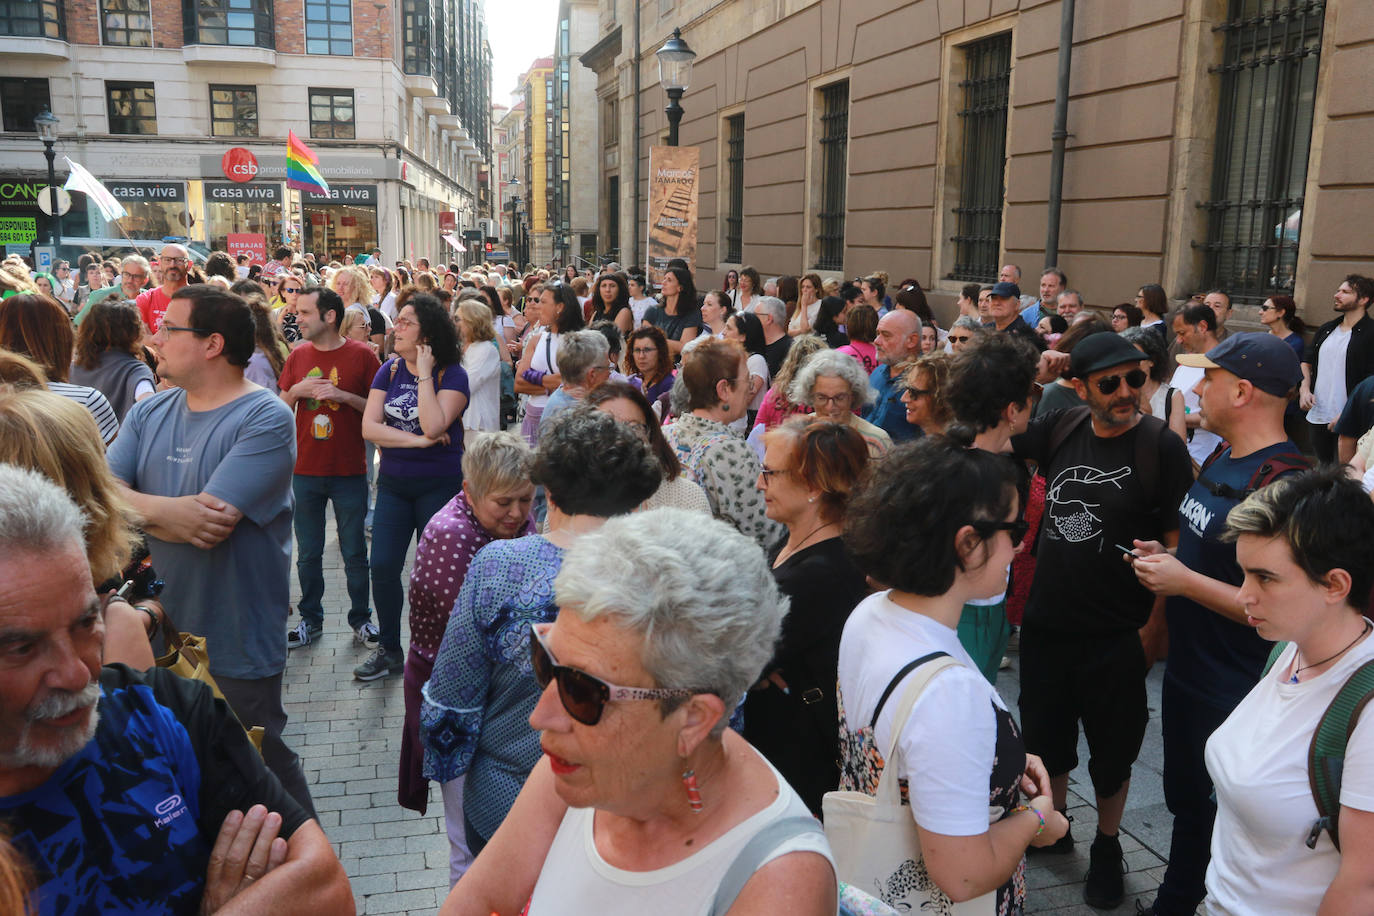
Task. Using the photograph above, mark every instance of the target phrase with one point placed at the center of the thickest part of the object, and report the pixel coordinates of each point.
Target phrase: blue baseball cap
(1261, 359)
(1005, 290)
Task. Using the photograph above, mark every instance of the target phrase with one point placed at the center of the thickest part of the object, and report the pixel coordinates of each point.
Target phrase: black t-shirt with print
(1095, 500)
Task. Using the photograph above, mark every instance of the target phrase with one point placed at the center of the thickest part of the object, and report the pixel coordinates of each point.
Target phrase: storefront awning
(454, 241)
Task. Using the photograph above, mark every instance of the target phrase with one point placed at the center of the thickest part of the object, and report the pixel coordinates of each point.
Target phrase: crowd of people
(803, 521)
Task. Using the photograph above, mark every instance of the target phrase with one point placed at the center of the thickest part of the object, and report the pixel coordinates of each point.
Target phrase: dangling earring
(689, 779)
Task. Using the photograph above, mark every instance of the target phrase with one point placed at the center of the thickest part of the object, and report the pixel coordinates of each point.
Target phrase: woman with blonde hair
(776, 407)
(482, 362)
(352, 285)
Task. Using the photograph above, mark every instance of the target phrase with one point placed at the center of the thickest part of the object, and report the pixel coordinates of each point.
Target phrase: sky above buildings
(520, 31)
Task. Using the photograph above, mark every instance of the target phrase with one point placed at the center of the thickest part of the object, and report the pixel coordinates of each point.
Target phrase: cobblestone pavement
(348, 734)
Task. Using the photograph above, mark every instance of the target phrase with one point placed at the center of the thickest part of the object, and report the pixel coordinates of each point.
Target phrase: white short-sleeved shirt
(949, 743)
(1330, 392)
(1258, 762)
(1203, 442)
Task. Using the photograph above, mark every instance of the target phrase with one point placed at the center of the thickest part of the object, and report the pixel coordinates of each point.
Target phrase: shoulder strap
(1271, 469)
(754, 852)
(897, 679)
(1148, 438)
(1273, 657)
(1069, 421)
(1326, 755)
(1216, 453)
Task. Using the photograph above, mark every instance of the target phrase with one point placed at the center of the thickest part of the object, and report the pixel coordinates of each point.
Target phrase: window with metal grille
(610, 125)
(126, 23)
(415, 48)
(329, 27)
(132, 107)
(331, 113)
(32, 19)
(234, 111)
(1264, 131)
(983, 122)
(242, 23)
(21, 100)
(834, 134)
(733, 236)
(613, 213)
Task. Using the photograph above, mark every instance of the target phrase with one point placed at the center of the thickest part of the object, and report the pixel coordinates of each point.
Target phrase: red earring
(689, 779)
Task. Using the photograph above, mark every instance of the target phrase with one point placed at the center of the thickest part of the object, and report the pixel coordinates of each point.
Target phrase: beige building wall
(583, 210)
(1142, 122)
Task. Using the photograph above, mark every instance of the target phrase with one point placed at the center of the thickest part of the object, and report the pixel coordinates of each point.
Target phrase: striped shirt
(93, 401)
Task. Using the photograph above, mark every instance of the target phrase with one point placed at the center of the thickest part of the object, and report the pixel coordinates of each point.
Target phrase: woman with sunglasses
(1280, 315)
(289, 286)
(645, 799)
(477, 703)
(731, 287)
(924, 396)
(937, 523)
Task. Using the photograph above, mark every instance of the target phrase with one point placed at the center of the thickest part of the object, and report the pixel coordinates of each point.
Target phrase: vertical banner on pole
(672, 222)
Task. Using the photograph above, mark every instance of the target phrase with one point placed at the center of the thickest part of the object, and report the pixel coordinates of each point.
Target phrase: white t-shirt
(576, 880)
(758, 366)
(1258, 762)
(948, 746)
(638, 308)
(1330, 392)
(544, 359)
(1203, 442)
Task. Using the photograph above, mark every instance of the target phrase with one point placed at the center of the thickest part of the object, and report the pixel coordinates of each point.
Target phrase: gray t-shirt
(237, 593)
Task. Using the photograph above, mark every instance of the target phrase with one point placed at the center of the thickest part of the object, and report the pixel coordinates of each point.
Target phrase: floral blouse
(724, 465)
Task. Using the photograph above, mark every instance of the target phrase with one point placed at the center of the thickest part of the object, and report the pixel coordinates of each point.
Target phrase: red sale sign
(253, 244)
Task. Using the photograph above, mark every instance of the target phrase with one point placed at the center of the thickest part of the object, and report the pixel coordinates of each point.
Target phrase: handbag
(188, 657)
(874, 838)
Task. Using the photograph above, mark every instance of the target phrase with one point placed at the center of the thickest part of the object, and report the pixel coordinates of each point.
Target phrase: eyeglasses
(404, 323)
(169, 328)
(1016, 529)
(917, 392)
(1269, 308)
(128, 276)
(585, 696)
(824, 400)
(960, 338)
(1109, 383)
(166, 260)
(766, 474)
(290, 289)
(645, 351)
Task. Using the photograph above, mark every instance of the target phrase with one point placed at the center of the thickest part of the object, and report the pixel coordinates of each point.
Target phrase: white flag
(83, 181)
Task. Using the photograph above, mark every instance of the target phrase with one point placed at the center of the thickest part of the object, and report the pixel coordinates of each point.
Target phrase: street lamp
(675, 73)
(46, 124)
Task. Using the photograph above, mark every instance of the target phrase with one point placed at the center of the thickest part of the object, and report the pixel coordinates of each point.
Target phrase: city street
(348, 735)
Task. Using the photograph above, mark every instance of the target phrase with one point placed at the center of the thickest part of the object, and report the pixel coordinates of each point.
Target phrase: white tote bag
(874, 839)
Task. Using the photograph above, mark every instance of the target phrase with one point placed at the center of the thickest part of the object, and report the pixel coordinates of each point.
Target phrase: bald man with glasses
(174, 261)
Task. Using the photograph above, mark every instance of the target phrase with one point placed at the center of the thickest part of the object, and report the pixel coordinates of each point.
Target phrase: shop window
(329, 27)
(244, 23)
(126, 23)
(331, 114)
(983, 121)
(416, 20)
(32, 19)
(234, 111)
(834, 173)
(132, 107)
(21, 100)
(1264, 133)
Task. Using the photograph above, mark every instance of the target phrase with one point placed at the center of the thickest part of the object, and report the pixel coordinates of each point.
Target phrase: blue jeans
(404, 506)
(349, 495)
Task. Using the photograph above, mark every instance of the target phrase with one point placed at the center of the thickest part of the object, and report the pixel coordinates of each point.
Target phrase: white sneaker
(367, 635)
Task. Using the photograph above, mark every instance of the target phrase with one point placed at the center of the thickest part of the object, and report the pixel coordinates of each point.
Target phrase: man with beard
(1113, 476)
(173, 262)
(127, 792)
(1339, 357)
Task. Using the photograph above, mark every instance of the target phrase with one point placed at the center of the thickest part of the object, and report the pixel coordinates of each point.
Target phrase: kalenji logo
(239, 165)
(168, 810)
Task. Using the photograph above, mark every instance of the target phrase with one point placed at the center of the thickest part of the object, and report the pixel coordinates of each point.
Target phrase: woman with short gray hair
(646, 781)
(834, 385)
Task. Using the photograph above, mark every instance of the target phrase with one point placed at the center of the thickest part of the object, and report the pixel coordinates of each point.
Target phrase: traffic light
(488, 247)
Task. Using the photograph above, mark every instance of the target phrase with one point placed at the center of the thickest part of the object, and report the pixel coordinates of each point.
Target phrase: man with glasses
(133, 277)
(1195, 331)
(207, 464)
(174, 261)
(898, 342)
(1113, 477)
(583, 363)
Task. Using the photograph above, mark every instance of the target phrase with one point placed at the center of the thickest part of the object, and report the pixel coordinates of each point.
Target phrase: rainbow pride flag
(301, 173)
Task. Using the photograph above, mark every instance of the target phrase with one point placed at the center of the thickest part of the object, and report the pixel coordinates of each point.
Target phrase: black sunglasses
(1016, 529)
(1109, 383)
(585, 696)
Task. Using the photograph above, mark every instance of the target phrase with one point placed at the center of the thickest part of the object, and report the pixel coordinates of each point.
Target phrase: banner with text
(253, 244)
(672, 208)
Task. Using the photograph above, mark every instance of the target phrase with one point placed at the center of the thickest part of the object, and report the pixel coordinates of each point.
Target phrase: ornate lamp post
(675, 73)
(46, 123)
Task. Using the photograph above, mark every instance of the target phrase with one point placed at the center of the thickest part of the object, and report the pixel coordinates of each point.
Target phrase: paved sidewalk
(348, 735)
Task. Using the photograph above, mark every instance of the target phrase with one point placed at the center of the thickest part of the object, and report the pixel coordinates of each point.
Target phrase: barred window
(329, 27)
(242, 23)
(733, 240)
(132, 107)
(234, 111)
(1264, 132)
(126, 23)
(21, 100)
(32, 19)
(834, 134)
(983, 122)
(331, 114)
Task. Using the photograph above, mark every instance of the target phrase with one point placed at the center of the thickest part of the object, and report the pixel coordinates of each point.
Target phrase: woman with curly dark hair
(415, 415)
(109, 357)
(938, 524)
(648, 363)
(474, 718)
(677, 314)
(611, 301)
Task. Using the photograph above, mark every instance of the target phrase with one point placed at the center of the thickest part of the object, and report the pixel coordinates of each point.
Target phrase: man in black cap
(1215, 656)
(1004, 300)
(1113, 476)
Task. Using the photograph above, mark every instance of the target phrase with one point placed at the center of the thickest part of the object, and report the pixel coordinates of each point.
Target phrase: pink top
(865, 353)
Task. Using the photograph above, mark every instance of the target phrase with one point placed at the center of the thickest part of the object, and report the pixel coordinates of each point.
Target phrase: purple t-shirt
(401, 410)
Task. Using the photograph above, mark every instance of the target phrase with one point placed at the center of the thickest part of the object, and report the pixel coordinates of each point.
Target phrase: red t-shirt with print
(329, 435)
(152, 305)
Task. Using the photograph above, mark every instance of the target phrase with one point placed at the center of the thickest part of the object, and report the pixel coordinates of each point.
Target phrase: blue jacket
(888, 412)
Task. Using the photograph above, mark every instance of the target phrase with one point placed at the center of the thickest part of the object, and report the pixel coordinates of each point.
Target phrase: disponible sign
(673, 187)
(253, 244)
(162, 191)
(365, 194)
(18, 230)
(267, 192)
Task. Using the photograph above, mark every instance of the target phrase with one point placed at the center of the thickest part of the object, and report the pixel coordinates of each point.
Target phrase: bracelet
(425, 379)
(153, 621)
(1019, 808)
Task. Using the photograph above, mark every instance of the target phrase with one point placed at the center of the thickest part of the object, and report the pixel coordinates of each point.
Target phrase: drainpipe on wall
(635, 131)
(1060, 135)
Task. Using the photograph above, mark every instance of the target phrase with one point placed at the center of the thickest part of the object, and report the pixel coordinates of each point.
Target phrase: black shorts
(1098, 679)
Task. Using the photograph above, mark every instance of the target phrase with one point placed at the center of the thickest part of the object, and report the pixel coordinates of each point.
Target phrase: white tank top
(576, 881)
(545, 360)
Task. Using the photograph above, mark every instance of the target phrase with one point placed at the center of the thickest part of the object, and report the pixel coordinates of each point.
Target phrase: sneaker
(1004, 664)
(379, 664)
(1062, 845)
(1103, 887)
(303, 634)
(367, 635)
